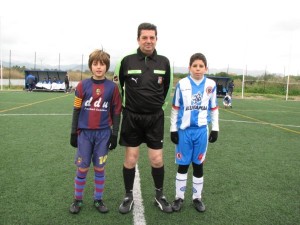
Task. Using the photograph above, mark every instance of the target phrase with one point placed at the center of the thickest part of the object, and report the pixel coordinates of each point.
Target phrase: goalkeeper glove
(73, 140)
(213, 136)
(174, 137)
(112, 142)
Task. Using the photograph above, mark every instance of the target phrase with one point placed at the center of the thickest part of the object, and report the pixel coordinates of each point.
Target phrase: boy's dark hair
(101, 56)
(198, 56)
(146, 26)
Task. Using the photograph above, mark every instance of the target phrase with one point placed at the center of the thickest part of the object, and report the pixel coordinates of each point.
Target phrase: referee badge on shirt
(160, 80)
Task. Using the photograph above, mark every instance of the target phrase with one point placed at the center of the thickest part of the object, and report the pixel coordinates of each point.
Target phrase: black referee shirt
(145, 81)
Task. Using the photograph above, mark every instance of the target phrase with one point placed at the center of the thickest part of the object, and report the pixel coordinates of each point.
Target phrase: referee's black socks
(158, 178)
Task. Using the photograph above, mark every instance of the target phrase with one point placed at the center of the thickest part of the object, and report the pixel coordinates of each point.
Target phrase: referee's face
(147, 41)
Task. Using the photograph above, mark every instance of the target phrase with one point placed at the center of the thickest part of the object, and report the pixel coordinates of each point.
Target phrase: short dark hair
(101, 56)
(199, 56)
(146, 26)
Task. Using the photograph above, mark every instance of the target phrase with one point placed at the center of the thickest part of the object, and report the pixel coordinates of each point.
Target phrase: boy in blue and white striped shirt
(194, 107)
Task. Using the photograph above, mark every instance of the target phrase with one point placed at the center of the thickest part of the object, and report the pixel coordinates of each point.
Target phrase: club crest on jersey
(209, 90)
(98, 91)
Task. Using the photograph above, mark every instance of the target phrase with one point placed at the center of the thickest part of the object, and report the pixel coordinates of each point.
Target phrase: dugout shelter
(222, 85)
(49, 76)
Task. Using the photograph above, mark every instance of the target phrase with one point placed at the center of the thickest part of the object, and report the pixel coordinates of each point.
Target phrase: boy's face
(98, 70)
(197, 69)
(147, 41)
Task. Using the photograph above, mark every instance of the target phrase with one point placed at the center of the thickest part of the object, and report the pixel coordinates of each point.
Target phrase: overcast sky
(261, 34)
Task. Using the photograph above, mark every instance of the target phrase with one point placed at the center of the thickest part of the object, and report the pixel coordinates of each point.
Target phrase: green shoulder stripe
(134, 71)
(161, 72)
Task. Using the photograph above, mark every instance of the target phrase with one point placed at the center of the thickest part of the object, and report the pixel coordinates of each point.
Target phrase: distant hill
(78, 67)
(235, 71)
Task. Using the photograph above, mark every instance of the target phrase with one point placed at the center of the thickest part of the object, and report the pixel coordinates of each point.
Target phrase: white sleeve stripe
(215, 119)
(174, 116)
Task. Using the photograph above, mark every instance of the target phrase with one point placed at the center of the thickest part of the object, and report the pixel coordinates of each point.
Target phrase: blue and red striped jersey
(98, 101)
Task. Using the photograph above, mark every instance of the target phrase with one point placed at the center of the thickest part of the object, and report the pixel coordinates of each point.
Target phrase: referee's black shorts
(142, 128)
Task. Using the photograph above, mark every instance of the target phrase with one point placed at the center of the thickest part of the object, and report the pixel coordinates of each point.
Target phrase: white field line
(264, 123)
(138, 208)
(252, 122)
(66, 114)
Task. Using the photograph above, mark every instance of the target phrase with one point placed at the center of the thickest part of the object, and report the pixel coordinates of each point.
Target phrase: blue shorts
(192, 146)
(92, 145)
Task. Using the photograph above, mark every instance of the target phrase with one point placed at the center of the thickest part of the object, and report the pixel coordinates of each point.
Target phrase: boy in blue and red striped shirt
(95, 126)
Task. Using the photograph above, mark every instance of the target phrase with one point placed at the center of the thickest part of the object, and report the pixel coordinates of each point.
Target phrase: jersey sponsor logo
(196, 103)
(195, 107)
(96, 106)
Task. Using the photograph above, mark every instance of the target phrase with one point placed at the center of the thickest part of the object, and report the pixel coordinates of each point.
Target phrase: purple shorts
(92, 145)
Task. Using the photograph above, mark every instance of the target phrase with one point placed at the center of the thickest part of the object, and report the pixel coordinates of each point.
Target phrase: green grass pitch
(251, 174)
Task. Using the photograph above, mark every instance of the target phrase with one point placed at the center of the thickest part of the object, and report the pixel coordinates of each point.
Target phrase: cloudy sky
(259, 34)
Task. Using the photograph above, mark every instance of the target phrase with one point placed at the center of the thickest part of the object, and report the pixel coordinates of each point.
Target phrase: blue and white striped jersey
(195, 104)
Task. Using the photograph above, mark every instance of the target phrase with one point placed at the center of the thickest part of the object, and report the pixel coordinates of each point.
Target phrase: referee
(145, 80)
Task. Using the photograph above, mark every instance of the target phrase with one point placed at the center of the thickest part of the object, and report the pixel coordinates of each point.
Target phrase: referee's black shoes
(162, 203)
(127, 204)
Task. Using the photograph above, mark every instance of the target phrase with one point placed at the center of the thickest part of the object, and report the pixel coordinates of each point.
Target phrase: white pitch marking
(138, 208)
(263, 123)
